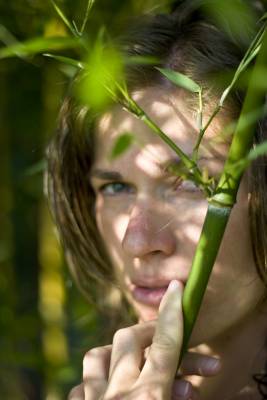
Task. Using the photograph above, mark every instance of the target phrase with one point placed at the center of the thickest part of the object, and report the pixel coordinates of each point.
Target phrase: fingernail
(174, 285)
(181, 388)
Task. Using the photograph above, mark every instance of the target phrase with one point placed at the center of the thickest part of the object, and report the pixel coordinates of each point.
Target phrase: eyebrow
(105, 174)
(116, 176)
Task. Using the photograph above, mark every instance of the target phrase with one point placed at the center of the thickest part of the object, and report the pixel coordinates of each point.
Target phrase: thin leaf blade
(180, 80)
(104, 73)
(121, 145)
(259, 150)
(63, 17)
(66, 60)
(38, 45)
(90, 4)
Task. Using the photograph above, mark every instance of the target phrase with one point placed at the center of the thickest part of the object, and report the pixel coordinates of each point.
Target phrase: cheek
(111, 218)
(188, 221)
(112, 223)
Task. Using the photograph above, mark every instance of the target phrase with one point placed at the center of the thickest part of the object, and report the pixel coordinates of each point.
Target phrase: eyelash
(184, 185)
(109, 189)
(104, 189)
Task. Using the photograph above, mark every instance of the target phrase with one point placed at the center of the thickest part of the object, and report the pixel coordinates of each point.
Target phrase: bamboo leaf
(66, 60)
(6, 37)
(77, 32)
(68, 70)
(249, 56)
(180, 80)
(37, 168)
(103, 76)
(264, 17)
(38, 45)
(88, 9)
(259, 150)
(121, 145)
(64, 18)
(143, 60)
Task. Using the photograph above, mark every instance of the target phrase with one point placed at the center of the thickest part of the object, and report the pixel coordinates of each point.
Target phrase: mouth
(149, 294)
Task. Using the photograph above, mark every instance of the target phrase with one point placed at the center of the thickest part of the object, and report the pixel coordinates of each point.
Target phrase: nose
(148, 234)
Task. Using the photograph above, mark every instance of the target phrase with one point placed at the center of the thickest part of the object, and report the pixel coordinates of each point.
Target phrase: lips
(149, 293)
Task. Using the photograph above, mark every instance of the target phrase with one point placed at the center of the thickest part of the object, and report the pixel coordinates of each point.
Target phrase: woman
(129, 226)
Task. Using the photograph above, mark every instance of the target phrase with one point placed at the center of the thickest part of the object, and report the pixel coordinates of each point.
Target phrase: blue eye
(115, 188)
(188, 186)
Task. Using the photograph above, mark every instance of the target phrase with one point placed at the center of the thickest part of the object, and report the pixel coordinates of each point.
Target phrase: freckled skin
(151, 230)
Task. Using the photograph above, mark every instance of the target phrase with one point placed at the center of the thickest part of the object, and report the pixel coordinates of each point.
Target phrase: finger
(77, 393)
(182, 390)
(128, 354)
(199, 364)
(164, 352)
(95, 371)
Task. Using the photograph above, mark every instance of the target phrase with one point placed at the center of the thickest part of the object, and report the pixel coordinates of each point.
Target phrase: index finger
(162, 359)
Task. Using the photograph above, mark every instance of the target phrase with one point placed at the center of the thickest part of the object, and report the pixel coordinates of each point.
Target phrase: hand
(122, 371)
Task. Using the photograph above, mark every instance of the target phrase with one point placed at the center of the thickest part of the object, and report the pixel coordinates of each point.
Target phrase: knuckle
(91, 354)
(76, 393)
(124, 334)
(164, 342)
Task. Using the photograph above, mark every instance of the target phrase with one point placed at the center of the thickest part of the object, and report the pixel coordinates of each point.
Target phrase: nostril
(155, 252)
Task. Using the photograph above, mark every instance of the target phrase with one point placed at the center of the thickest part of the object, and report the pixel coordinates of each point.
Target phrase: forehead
(174, 117)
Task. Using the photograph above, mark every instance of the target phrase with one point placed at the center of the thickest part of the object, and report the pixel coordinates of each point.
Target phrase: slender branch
(190, 164)
(64, 19)
(90, 4)
(243, 138)
(203, 130)
(250, 54)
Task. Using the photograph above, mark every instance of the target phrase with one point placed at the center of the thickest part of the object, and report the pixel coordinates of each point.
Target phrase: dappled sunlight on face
(151, 220)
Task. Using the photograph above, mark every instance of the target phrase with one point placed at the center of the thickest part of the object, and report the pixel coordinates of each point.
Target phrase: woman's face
(151, 221)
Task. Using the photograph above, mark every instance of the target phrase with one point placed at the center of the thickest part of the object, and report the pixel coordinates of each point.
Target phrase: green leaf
(66, 60)
(264, 17)
(64, 18)
(122, 144)
(36, 168)
(180, 80)
(259, 150)
(88, 9)
(102, 78)
(7, 37)
(143, 60)
(242, 164)
(38, 45)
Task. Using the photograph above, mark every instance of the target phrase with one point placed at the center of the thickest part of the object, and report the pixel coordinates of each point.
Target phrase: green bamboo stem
(221, 203)
(208, 246)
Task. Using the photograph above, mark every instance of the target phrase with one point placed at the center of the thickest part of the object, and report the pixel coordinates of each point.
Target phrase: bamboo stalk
(221, 204)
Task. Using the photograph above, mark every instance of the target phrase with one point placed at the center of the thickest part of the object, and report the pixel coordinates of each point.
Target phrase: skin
(151, 228)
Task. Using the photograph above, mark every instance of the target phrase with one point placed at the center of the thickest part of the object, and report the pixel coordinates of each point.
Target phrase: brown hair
(188, 42)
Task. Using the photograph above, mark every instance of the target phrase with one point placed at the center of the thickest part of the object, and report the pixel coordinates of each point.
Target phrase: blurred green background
(45, 324)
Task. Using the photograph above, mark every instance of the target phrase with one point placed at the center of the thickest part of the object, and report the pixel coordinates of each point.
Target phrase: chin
(146, 313)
